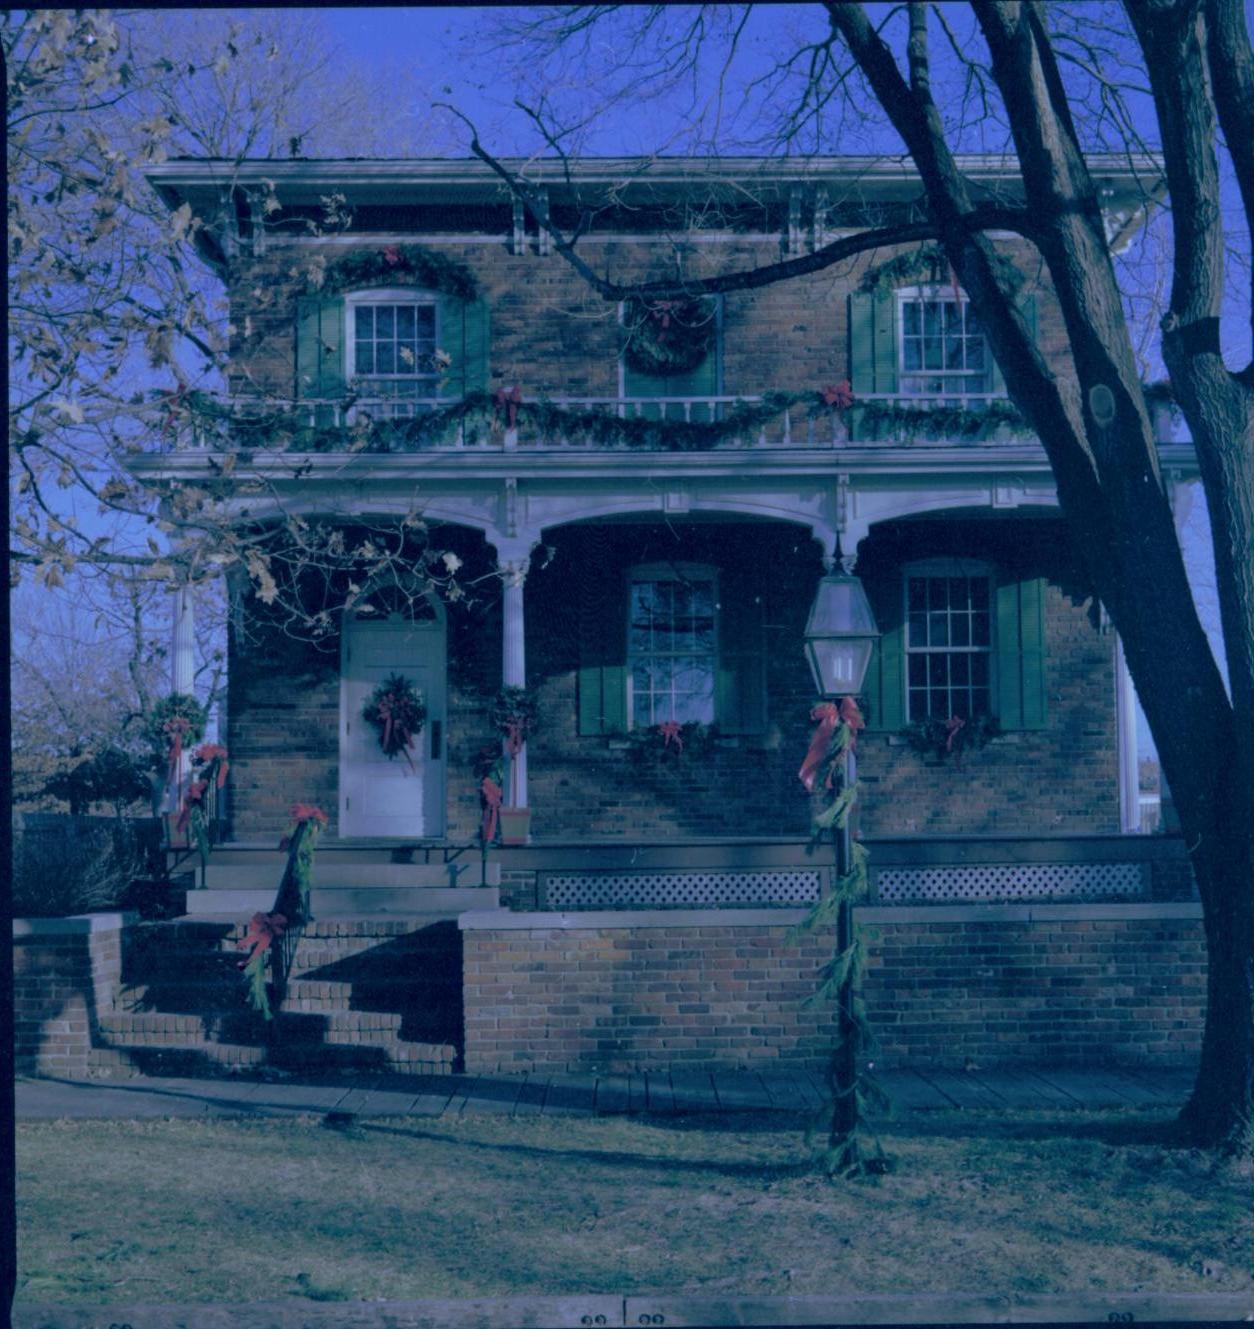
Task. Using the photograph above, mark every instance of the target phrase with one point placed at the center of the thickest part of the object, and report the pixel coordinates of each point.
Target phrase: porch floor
(378, 1095)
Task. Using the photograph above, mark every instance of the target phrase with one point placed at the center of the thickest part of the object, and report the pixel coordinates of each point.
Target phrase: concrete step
(347, 902)
(225, 873)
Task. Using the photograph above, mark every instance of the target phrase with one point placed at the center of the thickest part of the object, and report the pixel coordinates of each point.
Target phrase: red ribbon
(402, 732)
(672, 732)
(952, 727)
(195, 793)
(391, 255)
(262, 930)
(507, 402)
(838, 395)
(490, 792)
(829, 715)
(309, 812)
(515, 735)
(174, 729)
(660, 312)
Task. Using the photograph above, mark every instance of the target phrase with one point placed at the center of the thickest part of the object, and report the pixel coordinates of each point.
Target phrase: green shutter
(872, 346)
(1021, 694)
(1027, 308)
(885, 687)
(740, 691)
(464, 334)
(320, 351)
(602, 657)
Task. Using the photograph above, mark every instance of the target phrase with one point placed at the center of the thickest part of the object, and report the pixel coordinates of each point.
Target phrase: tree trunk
(1220, 1110)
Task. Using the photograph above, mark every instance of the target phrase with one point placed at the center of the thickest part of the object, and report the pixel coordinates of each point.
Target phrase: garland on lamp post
(852, 1149)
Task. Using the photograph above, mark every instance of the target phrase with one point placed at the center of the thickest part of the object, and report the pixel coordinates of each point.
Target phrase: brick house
(640, 547)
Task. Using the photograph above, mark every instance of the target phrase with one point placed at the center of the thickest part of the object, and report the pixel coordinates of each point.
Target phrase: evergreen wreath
(179, 714)
(397, 713)
(398, 265)
(668, 337)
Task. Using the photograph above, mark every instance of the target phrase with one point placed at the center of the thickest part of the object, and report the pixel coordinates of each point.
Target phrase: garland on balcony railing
(879, 419)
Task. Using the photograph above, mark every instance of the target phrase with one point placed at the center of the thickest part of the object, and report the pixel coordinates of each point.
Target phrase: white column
(1129, 764)
(514, 663)
(182, 677)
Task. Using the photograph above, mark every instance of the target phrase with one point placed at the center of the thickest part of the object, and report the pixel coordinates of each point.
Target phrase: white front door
(382, 796)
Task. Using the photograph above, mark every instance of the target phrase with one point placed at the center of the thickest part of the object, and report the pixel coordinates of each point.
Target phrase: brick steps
(362, 993)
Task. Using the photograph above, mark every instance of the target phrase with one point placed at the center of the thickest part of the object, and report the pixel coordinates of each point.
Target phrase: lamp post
(840, 635)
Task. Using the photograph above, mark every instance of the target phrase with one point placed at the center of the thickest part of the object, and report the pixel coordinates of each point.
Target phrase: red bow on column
(175, 729)
(515, 735)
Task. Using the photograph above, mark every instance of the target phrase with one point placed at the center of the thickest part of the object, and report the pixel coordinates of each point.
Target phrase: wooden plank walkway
(654, 1092)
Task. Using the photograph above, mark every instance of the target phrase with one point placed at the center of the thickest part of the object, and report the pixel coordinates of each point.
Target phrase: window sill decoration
(398, 714)
(943, 739)
(665, 338)
(668, 741)
(394, 265)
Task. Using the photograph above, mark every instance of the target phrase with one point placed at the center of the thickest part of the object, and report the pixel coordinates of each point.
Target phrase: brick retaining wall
(944, 984)
(65, 972)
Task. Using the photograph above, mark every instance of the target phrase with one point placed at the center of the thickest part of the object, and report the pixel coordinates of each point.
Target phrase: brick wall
(553, 335)
(616, 993)
(284, 740)
(65, 973)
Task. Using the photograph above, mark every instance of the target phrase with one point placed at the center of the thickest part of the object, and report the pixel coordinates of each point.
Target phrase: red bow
(660, 312)
(210, 752)
(391, 255)
(490, 793)
(839, 395)
(507, 402)
(829, 715)
(309, 812)
(386, 703)
(672, 732)
(262, 930)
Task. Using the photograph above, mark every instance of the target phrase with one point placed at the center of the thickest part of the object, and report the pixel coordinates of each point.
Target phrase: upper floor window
(942, 352)
(671, 645)
(391, 341)
(948, 639)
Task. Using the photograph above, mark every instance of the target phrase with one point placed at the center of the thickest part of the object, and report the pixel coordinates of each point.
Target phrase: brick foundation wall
(994, 985)
(65, 973)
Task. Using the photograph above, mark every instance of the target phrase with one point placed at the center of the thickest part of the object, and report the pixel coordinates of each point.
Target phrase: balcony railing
(568, 423)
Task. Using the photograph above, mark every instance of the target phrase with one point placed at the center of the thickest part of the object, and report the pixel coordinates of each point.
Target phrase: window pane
(960, 630)
(979, 593)
(424, 317)
(918, 629)
(365, 322)
(979, 670)
(917, 593)
(938, 593)
(959, 670)
(979, 629)
(363, 361)
(405, 323)
(910, 318)
(958, 592)
(385, 358)
(938, 671)
(979, 701)
(931, 319)
(912, 354)
(938, 629)
(918, 704)
(918, 671)
(385, 323)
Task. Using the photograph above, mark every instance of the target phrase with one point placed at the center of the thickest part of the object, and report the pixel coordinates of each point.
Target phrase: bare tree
(1047, 83)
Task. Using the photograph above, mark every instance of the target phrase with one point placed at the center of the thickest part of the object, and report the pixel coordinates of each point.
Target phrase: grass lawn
(169, 1211)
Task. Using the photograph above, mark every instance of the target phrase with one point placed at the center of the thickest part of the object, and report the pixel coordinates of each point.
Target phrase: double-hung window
(391, 344)
(672, 651)
(942, 353)
(948, 641)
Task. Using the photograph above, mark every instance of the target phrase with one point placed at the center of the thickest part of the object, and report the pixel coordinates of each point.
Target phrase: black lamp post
(840, 636)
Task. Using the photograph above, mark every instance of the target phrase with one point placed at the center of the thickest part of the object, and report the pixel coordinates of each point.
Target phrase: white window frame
(400, 295)
(972, 569)
(937, 291)
(677, 572)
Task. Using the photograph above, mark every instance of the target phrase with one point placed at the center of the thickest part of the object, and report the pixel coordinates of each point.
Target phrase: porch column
(514, 661)
(182, 678)
(1129, 763)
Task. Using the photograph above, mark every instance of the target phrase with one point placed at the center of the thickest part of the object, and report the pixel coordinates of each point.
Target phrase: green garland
(879, 420)
(666, 338)
(396, 265)
(933, 737)
(930, 264)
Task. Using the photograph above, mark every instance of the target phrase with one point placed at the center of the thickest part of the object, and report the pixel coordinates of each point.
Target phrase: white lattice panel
(1000, 882)
(679, 890)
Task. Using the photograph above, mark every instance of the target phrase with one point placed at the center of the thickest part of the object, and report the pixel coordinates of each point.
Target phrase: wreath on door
(668, 337)
(398, 713)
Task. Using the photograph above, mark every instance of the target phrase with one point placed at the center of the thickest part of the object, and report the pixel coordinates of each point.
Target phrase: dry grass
(227, 1211)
